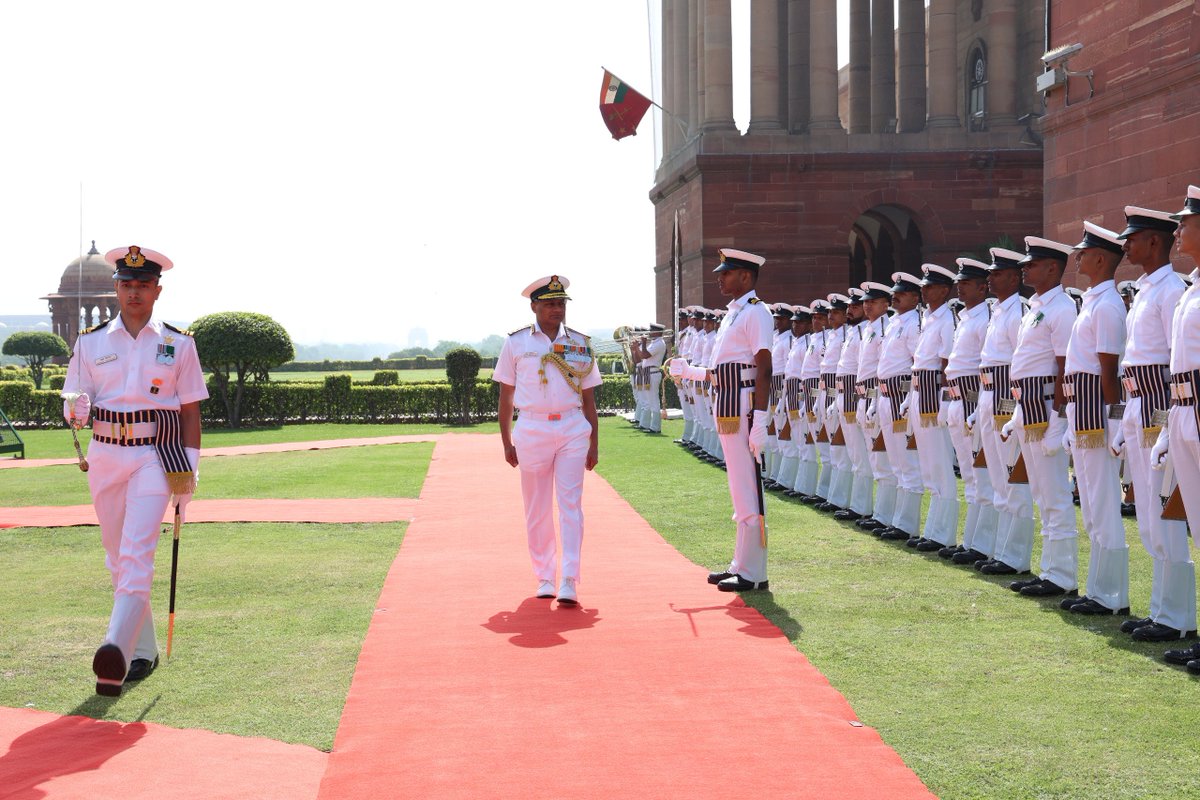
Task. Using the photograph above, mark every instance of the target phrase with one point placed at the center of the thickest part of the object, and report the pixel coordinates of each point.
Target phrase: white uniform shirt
(1099, 328)
(937, 339)
(780, 349)
(1185, 329)
(158, 369)
(683, 343)
(968, 342)
(795, 360)
(1001, 338)
(520, 361)
(848, 360)
(657, 348)
(835, 340)
(744, 331)
(1150, 317)
(813, 355)
(704, 351)
(1044, 334)
(868, 352)
(899, 344)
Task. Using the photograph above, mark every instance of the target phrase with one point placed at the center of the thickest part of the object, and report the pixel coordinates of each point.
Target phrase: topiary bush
(462, 371)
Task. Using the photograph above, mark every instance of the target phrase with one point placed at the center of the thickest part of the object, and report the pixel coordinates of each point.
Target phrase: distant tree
(235, 344)
(445, 346)
(491, 346)
(411, 352)
(35, 348)
(462, 370)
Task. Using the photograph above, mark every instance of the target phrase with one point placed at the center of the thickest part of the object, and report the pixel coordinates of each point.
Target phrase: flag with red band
(621, 106)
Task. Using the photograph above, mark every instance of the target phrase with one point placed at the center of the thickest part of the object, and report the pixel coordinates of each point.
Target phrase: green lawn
(406, 375)
(984, 693)
(395, 470)
(269, 623)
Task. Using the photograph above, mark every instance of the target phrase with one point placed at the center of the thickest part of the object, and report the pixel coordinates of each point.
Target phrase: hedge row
(416, 362)
(277, 403)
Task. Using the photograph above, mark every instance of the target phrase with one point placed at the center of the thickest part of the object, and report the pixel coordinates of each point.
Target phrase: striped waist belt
(1185, 386)
(545, 416)
(160, 427)
(1088, 402)
(828, 381)
(895, 386)
(730, 377)
(966, 388)
(996, 379)
(726, 375)
(845, 385)
(1150, 382)
(926, 383)
(867, 387)
(1032, 393)
(125, 428)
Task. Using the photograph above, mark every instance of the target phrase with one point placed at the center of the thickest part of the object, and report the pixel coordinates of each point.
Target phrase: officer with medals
(1149, 236)
(1179, 441)
(548, 373)
(1092, 387)
(741, 374)
(1039, 420)
(860, 503)
(876, 299)
(140, 381)
(962, 378)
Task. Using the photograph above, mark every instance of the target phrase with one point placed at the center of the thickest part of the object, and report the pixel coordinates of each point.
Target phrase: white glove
(903, 408)
(1068, 441)
(758, 434)
(1116, 438)
(1007, 430)
(693, 373)
(675, 367)
(1052, 442)
(1158, 453)
(872, 411)
(943, 417)
(971, 420)
(76, 409)
(182, 500)
(831, 410)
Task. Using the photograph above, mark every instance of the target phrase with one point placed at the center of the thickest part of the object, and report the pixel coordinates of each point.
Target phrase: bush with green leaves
(386, 377)
(236, 345)
(462, 371)
(35, 348)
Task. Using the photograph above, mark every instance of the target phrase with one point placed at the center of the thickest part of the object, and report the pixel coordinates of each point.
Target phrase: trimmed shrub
(462, 370)
(386, 377)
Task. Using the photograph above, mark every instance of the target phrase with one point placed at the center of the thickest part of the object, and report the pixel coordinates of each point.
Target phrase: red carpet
(658, 687)
(47, 756)
(334, 510)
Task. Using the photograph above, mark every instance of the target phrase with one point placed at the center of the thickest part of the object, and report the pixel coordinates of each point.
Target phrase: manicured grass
(269, 623)
(983, 692)
(406, 375)
(396, 470)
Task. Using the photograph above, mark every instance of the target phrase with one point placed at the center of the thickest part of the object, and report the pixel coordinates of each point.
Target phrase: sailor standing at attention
(862, 482)
(741, 373)
(876, 299)
(548, 373)
(791, 470)
(778, 431)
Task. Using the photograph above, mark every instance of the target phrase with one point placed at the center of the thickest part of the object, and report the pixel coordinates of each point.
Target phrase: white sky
(353, 169)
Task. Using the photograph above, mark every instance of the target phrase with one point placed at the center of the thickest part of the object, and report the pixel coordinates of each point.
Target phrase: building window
(977, 90)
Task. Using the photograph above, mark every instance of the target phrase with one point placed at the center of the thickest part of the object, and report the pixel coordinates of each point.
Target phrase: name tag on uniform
(106, 359)
(529, 355)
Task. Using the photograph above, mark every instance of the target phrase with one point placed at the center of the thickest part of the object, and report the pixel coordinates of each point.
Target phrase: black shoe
(1193, 667)
(929, 545)
(737, 583)
(719, 463)
(1182, 657)
(1075, 499)
(913, 541)
(109, 666)
(870, 523)
(141, 668)
(971, 557)
(1092, 607)
(792, 493)
(1131, 625)
(679, 441)
(891, 534)
(1021, 585)
(1066, 603)
(846, 515)
(950, 551)
(1157, 632)
(828, 507)
(770, 485)
(997, 567)
(979, 565)
(811, 499)
(716, 577)
(1128, 510)
(1045, 588)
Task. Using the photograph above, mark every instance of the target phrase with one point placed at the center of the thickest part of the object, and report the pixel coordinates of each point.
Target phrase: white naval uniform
(860, 501)
(1014, 501)
(1099, 328)
(551, 436)
(896, 359)
(979, 530)
(1184, 436)
(780, 347)
(881, 465)
(790, 472)
(1173, 587)
(712, 442)
(935, 452)
(836, 474)
(1042, 339)
(128, 485)
(744, 331)
(683, 347)
(652, 406)
(812, 457)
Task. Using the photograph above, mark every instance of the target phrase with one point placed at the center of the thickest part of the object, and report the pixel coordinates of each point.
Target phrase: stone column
(764, 66)
(1002, 63)
(944, 88)
(823, 67)
(718, 67)
(798, 65)
(695, 54)
(669, 137)
(860, 66)
(912, 65)
(883, 65)
(680, 97)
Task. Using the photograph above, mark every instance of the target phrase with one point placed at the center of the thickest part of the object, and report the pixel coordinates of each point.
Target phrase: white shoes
(545, 590)
(566, 592)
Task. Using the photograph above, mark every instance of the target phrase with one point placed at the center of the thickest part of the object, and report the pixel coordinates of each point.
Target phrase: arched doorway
(883, 240)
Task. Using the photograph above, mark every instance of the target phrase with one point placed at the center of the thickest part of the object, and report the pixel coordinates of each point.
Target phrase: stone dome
(96, 279)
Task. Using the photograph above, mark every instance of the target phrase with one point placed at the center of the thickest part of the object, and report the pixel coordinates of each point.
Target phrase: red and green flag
(621, 106)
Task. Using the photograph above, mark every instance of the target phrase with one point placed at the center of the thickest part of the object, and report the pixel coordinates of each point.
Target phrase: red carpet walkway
(332, 510)
(658, 687)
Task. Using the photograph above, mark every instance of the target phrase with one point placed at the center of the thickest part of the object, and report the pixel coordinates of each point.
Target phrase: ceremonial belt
(1088, 401)
(545, 416)
(776, 388)
(828, 381)
(811, 386)
(1150, 382)
(1031, 394)
(167, 439)
(966, 388)
(1185, 387)
(927, 382)
(793, 389)
(845, 383)
(896, 386)
(867, 387)
(730, 378)
(996, 379)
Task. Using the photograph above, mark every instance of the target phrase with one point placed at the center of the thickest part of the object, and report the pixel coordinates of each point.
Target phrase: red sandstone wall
(1137, 141)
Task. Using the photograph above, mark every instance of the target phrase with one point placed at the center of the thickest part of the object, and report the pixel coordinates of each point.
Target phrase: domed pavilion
(85, 296)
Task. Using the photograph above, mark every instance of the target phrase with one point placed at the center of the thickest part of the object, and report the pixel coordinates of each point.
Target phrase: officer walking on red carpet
(548, 372)
(140, 380)
(742, 376)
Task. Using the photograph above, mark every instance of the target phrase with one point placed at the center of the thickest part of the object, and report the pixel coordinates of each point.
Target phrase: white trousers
(749, 554)
(130, 492)
(1097, 474)
(1050, 483)
(935, 457)
(1014, 502)
(881, 468)
(552, 455)
(654, 403)
(861, 501)
(904, 461)
(980, 529)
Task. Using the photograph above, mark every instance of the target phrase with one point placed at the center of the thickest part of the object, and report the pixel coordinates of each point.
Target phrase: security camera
(1060, 54)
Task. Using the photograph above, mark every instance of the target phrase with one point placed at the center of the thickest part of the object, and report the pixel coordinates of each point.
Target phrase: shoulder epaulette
(171, 327)
(753, 301)
(95, 328)
(522, 328)
(584, 336)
